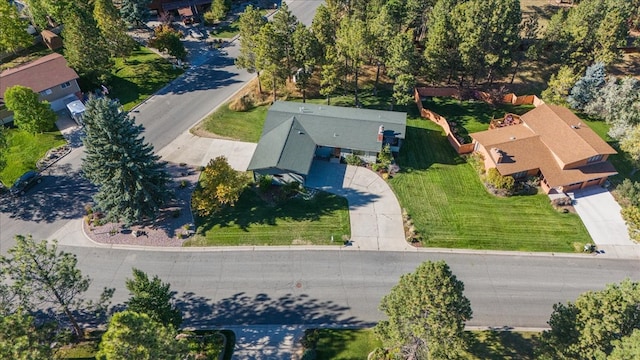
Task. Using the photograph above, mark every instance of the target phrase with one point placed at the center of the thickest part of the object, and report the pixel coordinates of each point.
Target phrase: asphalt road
(345, 287)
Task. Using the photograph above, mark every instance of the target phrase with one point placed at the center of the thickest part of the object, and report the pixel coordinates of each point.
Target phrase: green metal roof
(292, 130)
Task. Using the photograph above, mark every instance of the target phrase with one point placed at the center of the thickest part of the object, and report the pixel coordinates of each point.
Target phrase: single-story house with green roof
(295, 134)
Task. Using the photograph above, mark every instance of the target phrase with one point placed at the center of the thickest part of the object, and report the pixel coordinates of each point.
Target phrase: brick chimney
(380, 133)
(497, 155)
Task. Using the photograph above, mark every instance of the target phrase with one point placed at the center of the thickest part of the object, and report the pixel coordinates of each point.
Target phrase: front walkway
(600, 214)
(374, 211)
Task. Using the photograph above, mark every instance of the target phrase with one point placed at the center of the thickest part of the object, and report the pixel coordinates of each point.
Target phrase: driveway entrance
(374, 212)
(600, 214)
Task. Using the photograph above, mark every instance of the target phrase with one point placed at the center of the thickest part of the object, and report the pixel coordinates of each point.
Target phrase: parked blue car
(25, 182)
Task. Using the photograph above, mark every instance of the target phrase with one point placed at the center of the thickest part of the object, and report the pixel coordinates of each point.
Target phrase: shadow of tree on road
(262, 309)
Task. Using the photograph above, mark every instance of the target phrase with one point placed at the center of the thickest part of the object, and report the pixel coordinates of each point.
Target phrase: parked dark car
(25, 182)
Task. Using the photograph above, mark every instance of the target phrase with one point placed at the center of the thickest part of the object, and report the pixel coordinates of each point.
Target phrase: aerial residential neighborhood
(319, 179)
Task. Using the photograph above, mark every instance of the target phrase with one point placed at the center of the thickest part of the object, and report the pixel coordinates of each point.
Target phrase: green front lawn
(140, 76)
(346, 344)
(24, 150)
(451, 208)
(357, 344)
(252, 221)
(237, 125)
(226, 31)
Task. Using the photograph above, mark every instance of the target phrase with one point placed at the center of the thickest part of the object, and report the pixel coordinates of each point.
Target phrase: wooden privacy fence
(460, 147)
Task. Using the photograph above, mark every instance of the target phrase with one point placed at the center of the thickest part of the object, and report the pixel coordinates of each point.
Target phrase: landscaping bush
(353, 159)
(631, 214)
(498, 181)
(290, 189)
(477, 162)
(243, 103)
(628, 193)
(264, 183)
(563, 201)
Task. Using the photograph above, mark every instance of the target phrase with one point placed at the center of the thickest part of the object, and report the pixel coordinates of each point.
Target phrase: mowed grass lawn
(24, 150)
(252, 221)
(237, 125)
(473, 115)
(357, 344)
(451, 208)
(140, 76)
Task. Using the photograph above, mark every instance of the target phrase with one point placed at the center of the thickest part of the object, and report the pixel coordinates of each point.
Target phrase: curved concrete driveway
(374, 211)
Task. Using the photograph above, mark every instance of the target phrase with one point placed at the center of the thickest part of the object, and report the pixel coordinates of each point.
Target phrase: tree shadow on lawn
(425, 147)
(497, 344)
(261, 309)
(252, 210)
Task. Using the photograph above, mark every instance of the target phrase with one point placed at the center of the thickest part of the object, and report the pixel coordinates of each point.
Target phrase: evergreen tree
(85, 48)
(13, 30)
(135, 12)
(131, 335)
(29, 113)
(352, 42)
(112, 28)
(442, 58)
(284, 25)
(269, 55)
(559, 86)
(306, 51)
(251, 21)
(324, 27)
(618, 103)
(588, 327)
(153, 298)
(402, 64)
(132, 182)
(40, 274)
(585, 89)
(426, 314)
(219, 10)
(21, 339)
(330, 74)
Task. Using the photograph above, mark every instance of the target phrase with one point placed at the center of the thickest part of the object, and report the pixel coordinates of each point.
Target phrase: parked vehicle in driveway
(25, 182)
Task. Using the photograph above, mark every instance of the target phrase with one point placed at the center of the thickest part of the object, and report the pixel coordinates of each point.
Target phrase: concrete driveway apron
(374, 211)
(600, 214)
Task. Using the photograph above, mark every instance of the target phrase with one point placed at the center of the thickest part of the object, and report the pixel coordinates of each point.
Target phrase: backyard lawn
(452, 209)
(357, 344)
(143, 73)
(253, 221)
(24, 150)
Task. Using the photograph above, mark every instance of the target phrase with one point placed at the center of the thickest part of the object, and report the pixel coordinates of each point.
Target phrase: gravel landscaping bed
(172, 227)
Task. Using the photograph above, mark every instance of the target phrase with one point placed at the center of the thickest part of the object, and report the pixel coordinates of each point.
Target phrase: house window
(595, 158)
(520, 174)
(65, 85)
(46, 92)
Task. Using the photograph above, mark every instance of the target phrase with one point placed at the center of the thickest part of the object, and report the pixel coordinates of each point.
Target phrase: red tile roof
(44, 73)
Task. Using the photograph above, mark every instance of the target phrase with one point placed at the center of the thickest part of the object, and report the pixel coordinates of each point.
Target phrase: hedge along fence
(460, 148)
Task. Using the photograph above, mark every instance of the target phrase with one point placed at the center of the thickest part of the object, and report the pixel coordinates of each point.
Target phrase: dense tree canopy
(587, 87)
(135, 12)
(426, 314)
(112, 28)
(131, 335)
(250, 23)
(13, 30)
(588, 327)
(21, 339)
(29, 113)
(132, 181)
(153, 298)
(220, 185)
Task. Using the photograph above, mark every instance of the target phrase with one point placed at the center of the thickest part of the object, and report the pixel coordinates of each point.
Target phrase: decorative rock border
(52, 156)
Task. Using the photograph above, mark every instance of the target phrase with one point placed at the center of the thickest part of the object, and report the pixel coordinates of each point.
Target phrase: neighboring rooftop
(39, 75)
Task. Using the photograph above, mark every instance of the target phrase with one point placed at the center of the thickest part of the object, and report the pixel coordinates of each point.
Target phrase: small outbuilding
(50, 39)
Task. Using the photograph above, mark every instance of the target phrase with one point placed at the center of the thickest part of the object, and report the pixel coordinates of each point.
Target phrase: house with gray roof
(295, 134)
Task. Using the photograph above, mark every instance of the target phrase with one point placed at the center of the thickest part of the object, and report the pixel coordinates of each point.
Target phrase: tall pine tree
(132, 182)
(84, 45)
(135, 12)
(112, 28)
(13, 33)
(250, 22)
